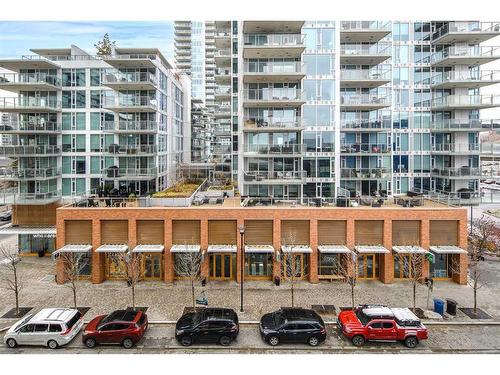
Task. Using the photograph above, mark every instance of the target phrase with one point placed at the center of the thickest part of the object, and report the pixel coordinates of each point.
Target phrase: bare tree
(292, 265)
(348, 269)
(73, 266)
(132, 263)
(188, 264)
(9, 271)
(411, 268)
(484, 236)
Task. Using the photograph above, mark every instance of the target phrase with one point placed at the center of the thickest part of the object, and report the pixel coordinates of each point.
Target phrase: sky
(17, 38)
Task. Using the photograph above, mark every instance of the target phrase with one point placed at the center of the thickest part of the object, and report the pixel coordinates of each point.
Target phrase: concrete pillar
(97, 258)
(313, 242)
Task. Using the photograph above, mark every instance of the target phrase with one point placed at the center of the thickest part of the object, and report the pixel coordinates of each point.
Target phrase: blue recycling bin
(439, 306)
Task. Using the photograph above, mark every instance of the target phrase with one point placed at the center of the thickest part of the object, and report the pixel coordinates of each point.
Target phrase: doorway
(221, 266)
(152, 266)
(367, 266)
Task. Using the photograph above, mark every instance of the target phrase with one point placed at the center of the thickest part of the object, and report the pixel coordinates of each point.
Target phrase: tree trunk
(352, 295)
(475, 297)
(133, 296)
(414, 296)
(74, 296)
(292, 281)
(16, 291)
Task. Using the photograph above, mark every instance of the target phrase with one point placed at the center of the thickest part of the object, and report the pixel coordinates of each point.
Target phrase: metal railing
(266, 67)
(29, 102)
(275, 149)
(365, 49)
(465, 124)
(28, 78)
(490, 148)
(12, 126)
(222, 72)
(131, 56)
(364, 99)
(452, 198)
(270, 40)
(367, 173)
(117, 76)
(133, 101)
(226, 52)
(132, 149)
(365, 74)
(377, 124)
(223, 90)
(467, 27)
(13, 196)
(14, 150)
(129, 172)
(456, 172)
(457, 76)
(130, 126)
(365, 26)
(26, 173)
(274, 94)
(463, 100)
(372, 148)
(466, 52)
(263, 123)
(250, 176)
(455, 147)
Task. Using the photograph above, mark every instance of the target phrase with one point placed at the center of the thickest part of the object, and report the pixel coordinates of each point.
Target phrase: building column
(350, 243)
(277, 248)
(168, 257)
(60, 241)
(205, 269)
(461, 260)
(313, 242)
(424, 243)
(98, 262)
(386, 268)
(239, 254)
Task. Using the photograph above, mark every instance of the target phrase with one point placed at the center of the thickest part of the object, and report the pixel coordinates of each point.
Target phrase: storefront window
(115, 268)
(329, 264)
(441, 267)
(86, 264)
(258, 265)
(35, 243)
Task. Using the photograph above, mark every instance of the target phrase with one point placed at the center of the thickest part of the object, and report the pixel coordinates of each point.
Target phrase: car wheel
(225, 340)
(127, 343)
(52, 344)
(411, 342)
(273, 340)
(11, 343)
(90, 343)
(313, 341)
(358, 340)
(186, 341)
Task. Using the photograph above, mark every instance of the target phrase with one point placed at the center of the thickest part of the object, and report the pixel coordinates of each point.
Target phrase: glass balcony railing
(222, 149)
(465, 52)
(364, 148)
(131, 56)
(10, 126)
(490, 148)
(275, 67)
(457, 172)
(362, 124)
(365, 173)
(29, 173)
(222, 72)
(132, 149)
(279, 94)
(274, 40)
(455, 147)
(223, 90)
(473, 76)
(25, 103)
(362, 49)
(223, 53)
(365, 26)
(117, 172)
(285, 176)
(275, 149)
(132, 101)
(13, 196)
(132, 126)
(365, 74)
(464, 27)
(465, 124)
(115, 77)
(465, 101)
(264, 123)
(14, 150)
(29, 78)
(364, 99)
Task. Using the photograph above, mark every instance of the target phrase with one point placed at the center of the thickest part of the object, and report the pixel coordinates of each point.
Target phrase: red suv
(125, 327)
(381, 323)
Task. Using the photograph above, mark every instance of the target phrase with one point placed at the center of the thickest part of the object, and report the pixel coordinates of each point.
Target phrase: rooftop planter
(178, 195)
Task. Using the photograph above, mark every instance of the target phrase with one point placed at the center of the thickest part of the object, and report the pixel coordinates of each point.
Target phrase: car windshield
(279, 319)
(363, 318)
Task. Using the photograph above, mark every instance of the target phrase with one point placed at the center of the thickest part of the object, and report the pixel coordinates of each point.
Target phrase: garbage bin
(439, 306)
(451, 307)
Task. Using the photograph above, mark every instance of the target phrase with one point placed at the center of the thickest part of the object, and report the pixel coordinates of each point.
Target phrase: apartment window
(401, 31)
(71, 186)
(73, 121)
(73, 77)
(95, 77)
(318, 64)
(73, 99)
(401, 53)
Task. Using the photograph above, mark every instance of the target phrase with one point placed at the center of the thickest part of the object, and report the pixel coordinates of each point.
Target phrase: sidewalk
(166, 301)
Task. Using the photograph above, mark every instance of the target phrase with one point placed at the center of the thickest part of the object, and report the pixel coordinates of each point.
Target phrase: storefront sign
(44, 235)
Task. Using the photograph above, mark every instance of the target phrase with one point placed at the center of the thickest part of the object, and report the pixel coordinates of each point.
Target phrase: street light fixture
(242, 264)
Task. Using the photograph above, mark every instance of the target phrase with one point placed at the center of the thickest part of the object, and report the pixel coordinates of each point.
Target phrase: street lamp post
(242, 263)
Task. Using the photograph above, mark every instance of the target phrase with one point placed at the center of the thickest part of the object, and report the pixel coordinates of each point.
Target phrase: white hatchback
(52, 327)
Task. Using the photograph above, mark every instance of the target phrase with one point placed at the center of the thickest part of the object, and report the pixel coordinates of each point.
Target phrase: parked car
(53, 327)
(207, 325)
(125, 327)
(6, 215)
(292, 325)
(381, 323)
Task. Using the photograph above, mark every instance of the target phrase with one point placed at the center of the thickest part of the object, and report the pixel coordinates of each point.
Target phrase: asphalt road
(160, 339)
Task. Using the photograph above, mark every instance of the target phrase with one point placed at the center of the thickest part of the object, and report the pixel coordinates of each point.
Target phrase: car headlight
(180, 331)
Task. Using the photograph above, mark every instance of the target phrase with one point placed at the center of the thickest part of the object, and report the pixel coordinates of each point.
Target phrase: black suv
(208, 325)
(292, 325)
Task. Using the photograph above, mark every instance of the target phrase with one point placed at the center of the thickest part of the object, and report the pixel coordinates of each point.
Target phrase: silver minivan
(52, 327)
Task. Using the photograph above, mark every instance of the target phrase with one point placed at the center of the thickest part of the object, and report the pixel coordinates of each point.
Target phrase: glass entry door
(221, 266)
(367, 266)
(152, 265)
(294, 264)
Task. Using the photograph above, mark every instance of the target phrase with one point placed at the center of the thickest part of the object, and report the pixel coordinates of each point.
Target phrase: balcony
(29, 105)
(364, 31)
(223, 110)
(364, 77)
(365, 148)
(273, 45)
(490, 149)
(42, 150)
(252, 124)
(467, 79)
(469, 31)
(15, 174)
(455, 148)
(222, 57)
(456, 173)
(276, 71)
(222, 93)
(11, 127)
(365, 173)
(280, 97)
(132, 150)
(120, 81)
(27, 62)
(451, 102)
(132, 60)
(469, 56)
(132, 104)
(363, 102)
(13, 196)
(275, 178)
(375, 125)
(130, 126)
(222, 76)
(130, 173)
(222, 149)
(465, 125)
(364, 54)
(29, 82)
(272, 26)
(281, 150)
